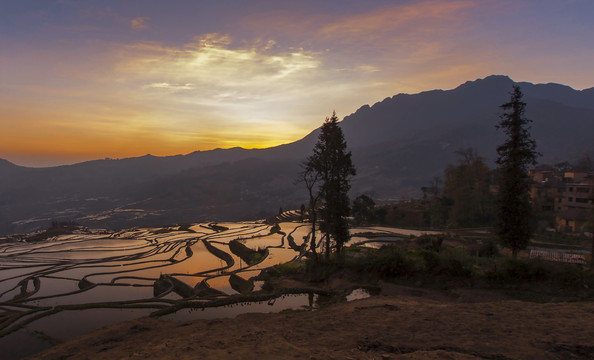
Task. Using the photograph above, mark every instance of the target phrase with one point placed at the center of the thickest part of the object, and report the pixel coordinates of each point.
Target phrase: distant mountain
(413, 137)
(398, 145)
(6, 166)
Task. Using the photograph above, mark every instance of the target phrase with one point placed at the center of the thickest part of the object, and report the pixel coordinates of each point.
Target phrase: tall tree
(333, 163)
(515, 156)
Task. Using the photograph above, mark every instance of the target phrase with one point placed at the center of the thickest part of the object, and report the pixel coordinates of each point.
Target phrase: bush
(431, 260)
(515, 271)
(454, 267)
(489, 249)
(431, 242)
(275, 229)
(569, 275)
(389, 261)
(290, 268)
(527, 270)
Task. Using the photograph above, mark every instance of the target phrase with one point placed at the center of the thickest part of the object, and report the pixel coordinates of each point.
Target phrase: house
(576, 205)
(568, 196)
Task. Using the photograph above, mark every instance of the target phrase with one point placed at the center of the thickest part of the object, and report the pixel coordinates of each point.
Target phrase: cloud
(401, 21)
(382, 44)
(168, 86)
(212, 69)
(139, 23)
(397, 21)
(270, 77)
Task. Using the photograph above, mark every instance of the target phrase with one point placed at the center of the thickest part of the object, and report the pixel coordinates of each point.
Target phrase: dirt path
(400, 325)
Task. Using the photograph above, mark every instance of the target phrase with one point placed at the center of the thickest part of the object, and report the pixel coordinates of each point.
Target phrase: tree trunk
(592, 253)
(312, 243)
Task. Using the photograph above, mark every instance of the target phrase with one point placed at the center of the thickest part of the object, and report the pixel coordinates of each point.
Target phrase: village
(565, 197)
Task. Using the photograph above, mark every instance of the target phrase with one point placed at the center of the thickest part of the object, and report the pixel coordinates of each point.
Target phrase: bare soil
(400, 323)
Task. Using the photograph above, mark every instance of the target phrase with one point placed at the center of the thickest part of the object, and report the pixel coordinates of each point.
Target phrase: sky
(83, 80)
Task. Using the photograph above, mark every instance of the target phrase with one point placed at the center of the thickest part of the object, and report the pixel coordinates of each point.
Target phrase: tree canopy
(363, 210)
(515, 156)
(332, 164)
(467, 186)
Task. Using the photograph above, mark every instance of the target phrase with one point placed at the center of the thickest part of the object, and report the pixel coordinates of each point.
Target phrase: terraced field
(61, 287)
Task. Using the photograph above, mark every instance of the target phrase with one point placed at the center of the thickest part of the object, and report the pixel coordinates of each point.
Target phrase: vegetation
(275, 228)
(57, 228)
(311, 179)
(248, 255)
(364, 210)
(464, 200)
(467, 188)
(447, 262)
(331, 163)
(515, 155)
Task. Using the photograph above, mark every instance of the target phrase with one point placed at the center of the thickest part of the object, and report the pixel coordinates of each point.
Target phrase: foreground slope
(405, 324)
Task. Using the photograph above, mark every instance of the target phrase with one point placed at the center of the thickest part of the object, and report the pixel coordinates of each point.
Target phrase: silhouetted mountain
(6, 167)
(398, 145)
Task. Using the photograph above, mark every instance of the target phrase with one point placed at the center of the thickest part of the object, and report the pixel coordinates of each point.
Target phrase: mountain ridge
(399, 144)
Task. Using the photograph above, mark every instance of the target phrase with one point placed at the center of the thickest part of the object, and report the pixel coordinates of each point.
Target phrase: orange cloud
(384, 48)
(269, 79)
(139, 23)
(412, 18)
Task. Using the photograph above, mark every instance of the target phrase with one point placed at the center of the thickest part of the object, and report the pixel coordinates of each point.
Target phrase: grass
(561, 240)
(452, 267)
(248, 255)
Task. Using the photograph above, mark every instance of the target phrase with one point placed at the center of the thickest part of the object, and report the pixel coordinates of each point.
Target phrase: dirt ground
(400, 323)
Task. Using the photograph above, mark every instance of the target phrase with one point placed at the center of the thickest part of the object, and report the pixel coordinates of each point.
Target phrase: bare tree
(311, 179)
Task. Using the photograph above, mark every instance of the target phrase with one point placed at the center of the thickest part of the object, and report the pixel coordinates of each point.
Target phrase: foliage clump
(467, 191)
(57, 228)
(275, 229)
(489, 249)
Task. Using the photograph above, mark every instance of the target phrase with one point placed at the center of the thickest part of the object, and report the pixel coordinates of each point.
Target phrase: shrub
(513, 271)
(275, 228)
(454, 267)
(291, 267)
(456, 262)
(431, 260)
(489, 249)
(431, 242)
(389, 261)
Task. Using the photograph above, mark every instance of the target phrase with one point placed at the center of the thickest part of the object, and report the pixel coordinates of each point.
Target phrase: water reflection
(281, 303)
(70, 284)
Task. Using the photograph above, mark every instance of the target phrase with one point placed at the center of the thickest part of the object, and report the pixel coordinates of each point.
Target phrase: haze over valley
(399, 145)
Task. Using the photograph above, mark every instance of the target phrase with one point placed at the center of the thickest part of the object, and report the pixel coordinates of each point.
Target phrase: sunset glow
(89, 80)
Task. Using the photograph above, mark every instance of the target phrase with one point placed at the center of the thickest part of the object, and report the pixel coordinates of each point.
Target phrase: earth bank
(400, 323)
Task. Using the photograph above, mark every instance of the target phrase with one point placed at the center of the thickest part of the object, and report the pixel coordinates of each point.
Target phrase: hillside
(403, 323)
(398, 145)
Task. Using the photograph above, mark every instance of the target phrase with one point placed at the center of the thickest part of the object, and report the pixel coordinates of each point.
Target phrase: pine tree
(333, 164)
(516, 155)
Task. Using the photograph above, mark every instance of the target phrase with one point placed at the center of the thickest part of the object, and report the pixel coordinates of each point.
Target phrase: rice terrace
(359, 180)
(89, 275)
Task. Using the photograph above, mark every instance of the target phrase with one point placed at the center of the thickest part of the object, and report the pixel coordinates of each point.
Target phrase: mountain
(398, 145)
(413, 137)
